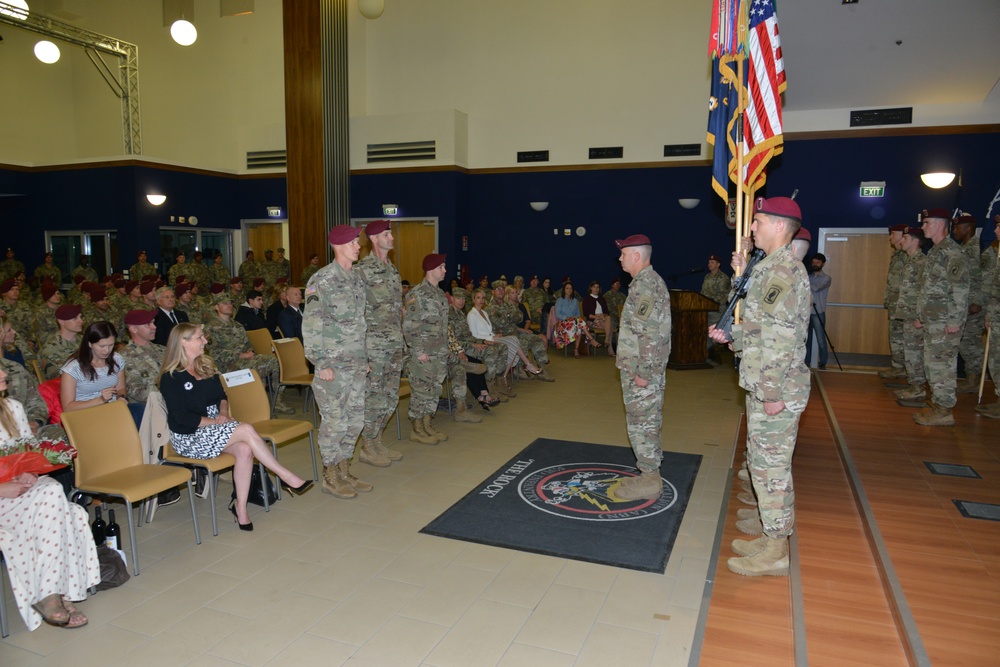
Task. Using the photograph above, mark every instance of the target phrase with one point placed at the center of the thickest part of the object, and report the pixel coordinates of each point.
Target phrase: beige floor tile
(480, 637)
(211, 661)
(690, 583)
(311, 650)
(587, 575)
(14, 656)
(634, 600)
(612, 645)
(525, 580)
(522, 655)
(400, 642)
(91, 647)
(340, 580)
(152, 616)
(264, 590)
(675, 640)
(425, 557)
(484, 557)
(448, 595)
(360, 616)
(332, 542)
(563, 618)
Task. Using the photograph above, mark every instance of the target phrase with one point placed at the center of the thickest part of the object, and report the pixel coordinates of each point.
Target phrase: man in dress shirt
(166, 316)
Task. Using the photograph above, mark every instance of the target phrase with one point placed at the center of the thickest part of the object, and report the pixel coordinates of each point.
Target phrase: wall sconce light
(16, 9)
(156, 200)
(938, 179)
(178, 15)
(539, 205)
(184, 32)
(390, 209)
(47, 52)
(371, 9)
(688, 203)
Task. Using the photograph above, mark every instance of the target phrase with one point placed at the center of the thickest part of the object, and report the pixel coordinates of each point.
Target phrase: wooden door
(415, 239)
(263, 236)
(857, 262)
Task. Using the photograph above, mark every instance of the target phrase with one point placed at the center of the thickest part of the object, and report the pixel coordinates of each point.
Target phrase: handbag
(113, 570)
(258, 487)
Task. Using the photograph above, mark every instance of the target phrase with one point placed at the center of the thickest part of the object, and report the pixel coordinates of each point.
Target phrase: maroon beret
(802, 235)
(898, 228)
(281, 281)
(632, 241)
(377, 227)
(180, 289)
(965, 219)
(106, 279)
(913, 231)
(147, 287)
(182, 278)
(48, 291)
(940, 213)
(343, 234)
(158, 284)
(313, 256)
(784, 207)
(216, 288)
(149, 276)
(236, 280)
(68, 312)
(139, 317)
(714, 258)
(257, 282)
(120, 283)
(131, 285)
(433, 260)
(87, 285)
(79, 278)
(7, 285)
(97, 294)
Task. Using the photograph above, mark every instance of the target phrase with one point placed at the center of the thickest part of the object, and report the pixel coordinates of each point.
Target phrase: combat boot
(938, 416)
(418, 434)
(991, 411)
(493, 387)
(892, 373)
(279, 404)
(370, 455)
(911, 393)
(544, 376)
(647, 485)
(462, 414)
(356, 484)
(390, 454)
(967, 385)
(748, 547)
(431, 431)
(750, 526)
(335, 484)
(747, 499)
(771, 559)
(746, 486)
(743, 474)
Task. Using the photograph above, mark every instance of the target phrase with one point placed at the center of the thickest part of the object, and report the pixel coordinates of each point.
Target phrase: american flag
(762, 133)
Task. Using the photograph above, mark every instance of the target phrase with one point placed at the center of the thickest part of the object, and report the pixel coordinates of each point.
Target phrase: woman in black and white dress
(199, 421)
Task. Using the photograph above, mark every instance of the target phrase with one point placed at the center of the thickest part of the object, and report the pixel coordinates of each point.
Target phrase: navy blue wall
(492, 209)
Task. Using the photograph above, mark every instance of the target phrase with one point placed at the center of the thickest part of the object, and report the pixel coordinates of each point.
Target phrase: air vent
(682, 150)
(532, 156)
(606, 153)
(900, 116)
(267, 159)
(402, 152)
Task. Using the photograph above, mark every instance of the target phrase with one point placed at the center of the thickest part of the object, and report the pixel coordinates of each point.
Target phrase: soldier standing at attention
(218, 272)
(47, 270)
(771, 341)
(333, 334)
(716, 287)
(971, 346)
(141, 268)
(643, 349)
(384, 341)
(425, 330)
(178, 270)
(991, 288)
(84, 269)
(906, 311)
(249, 269)
(10, 267)
(942, 306)
(892, 281)
(310, 268)
(197, 272)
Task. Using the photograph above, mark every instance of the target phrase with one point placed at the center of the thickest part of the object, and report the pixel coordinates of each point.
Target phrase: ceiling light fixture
(937, 179)
(156, 200)
(539, 205)
(47, 52)
(16, 9)
(184, 32)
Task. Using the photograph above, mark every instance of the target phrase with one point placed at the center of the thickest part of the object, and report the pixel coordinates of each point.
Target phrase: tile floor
(332, 582)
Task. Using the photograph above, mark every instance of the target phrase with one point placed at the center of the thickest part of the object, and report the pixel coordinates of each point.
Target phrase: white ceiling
(845, 56)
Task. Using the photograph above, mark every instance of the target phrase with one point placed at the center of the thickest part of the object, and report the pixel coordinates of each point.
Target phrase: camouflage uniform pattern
(20, 316)
(249, 270)
(505, 317)
(43, 324)
(425, 330)
(284, 268)
(971, 345)
(893, 279)
(219, 273)
(143, 364)
(198, 273)
(771, 342)
(716, 287)
(228, 340)
(53, 273)
(270, 270)
(307, 273)
(615, 301)
(991, 288)
(643, 350)
(194, 310)
(455, 369)
(534, 299)
(140, 269)
(55, 351)
(177, 270)
(494, 356)
(333, 333)
(906, 311)
(23, 387)
(9, 268)
(87, 272)
(384, 340)
(943, 300)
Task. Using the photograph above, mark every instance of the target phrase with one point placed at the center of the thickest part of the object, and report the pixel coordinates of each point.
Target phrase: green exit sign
(873, 188)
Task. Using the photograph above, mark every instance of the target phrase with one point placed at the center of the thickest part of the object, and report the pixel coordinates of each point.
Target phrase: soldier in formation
(890, 298)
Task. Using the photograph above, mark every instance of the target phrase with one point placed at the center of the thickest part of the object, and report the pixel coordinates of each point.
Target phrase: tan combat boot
(370, 455)
(418, 434)
(748, 547)
(748, 522)
(892, 373)
(544, 376)
(743, 474)
(431, 431)
(647, 485)
(279, 404)
(911, 393)
(507, 386)
(462, 414)
(747, 498)
(938, 416)
(390, 454)
(747, 487)
(770, 560)
(493, 387)
(335, 484)
(991, 411)
(356, 484)
(967, 386)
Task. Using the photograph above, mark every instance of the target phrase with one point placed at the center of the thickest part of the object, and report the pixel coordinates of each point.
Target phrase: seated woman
(481, 327)
(95, 373)
(12, 351)
(47, 544)
(569, 326)
(199, 421)
(597, 313)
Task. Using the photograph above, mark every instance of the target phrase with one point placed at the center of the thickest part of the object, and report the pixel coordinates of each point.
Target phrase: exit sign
(873, 188)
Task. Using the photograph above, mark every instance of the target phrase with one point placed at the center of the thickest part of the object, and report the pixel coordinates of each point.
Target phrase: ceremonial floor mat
(558, 498)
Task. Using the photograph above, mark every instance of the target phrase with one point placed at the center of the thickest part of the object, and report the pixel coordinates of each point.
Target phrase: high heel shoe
(297, 490)
(243, 526)
(534, 370)
(486, 404)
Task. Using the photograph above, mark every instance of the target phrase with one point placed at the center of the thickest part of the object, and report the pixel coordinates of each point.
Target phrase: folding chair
(294, 370)
(212, 468)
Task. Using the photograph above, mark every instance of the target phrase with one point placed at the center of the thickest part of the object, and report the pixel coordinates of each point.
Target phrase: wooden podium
(689, 330)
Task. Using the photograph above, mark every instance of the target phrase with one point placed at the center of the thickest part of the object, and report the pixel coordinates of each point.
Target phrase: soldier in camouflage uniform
(84, 269)
(310, 268)
(906, 310)
(534, 299)
(616, 301)
(98, 308)
(58, 348)
(971, 345)
(187, 304)
(10, 267)
(198, 273)
(505, 316)
(425, 330)
(231, 349)
(19, 314)
(771, 342)
(141, 268)
(284, 266)
(716, 287)
(43, 319)
(218, 272)
(48, 271)
(991, 288)
(458, 366)
(269, 270)
(180, 268)
(942, 306)
(384, 342)
(889, 301)
(333, 334)
(143, 358)
(22, 386)
(643, 350)
(249, 269)
(493, 356)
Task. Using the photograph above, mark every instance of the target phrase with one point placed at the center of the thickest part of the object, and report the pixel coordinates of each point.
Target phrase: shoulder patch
(310, 290)
(644, 308)
(775, 291)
